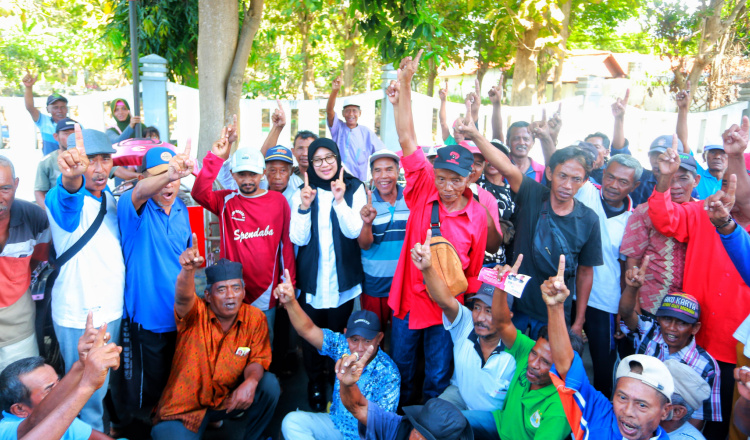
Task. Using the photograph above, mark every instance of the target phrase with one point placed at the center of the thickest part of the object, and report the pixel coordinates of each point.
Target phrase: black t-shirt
(580, 228)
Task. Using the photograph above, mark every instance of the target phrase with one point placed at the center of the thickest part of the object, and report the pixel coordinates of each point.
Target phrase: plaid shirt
(649, 341)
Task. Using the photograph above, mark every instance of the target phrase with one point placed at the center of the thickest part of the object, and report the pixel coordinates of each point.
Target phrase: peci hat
(660, 144)
(156, 160)
(653, 373)
(223, 270)
(454, 158)
(65, 124)
(53, 98)
(681, 306)
(384, 153)
(688, 383)
(94, 142)
(439, 419)
(363, 323)
(247, 159)
(281, 153)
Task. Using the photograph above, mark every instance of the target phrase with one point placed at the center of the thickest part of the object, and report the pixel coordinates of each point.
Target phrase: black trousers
(332, 319)
(600, 330)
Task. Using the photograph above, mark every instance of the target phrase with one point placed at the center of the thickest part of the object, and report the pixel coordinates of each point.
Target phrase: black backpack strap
(435, 220)
(86, 237)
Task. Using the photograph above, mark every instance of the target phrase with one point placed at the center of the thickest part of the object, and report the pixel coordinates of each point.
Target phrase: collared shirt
(356, 146)
(535, 170)
(227, 181)
(710, 275)
(152, 242)
(208, 363)
(540, 411)
(648, 340)
(482, 384)
(380, 383)
(47, 172)
(78, 429)
(708, 184)
(388, 233)
(47, 128)
(466, 230)
(350, 224)
(28, 239)
(589, 412)
(666, 258)
(605, 290)
(381, 424)
(253, 229)
(94, 279)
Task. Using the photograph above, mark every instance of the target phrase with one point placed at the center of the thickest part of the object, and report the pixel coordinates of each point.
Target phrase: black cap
(363, 323)
(53, 98)
(223, 270)
(688, 163)
(439, 419)
(65, 124)
(455, 158)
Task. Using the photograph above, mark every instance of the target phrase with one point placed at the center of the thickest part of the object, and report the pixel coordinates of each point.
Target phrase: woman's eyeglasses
(331, 158)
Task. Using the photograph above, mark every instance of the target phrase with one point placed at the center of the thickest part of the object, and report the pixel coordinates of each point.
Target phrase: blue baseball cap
(156, 160)
(714, 144)
(281, 153)
(94, 142)
(65, 124)
(660, 144)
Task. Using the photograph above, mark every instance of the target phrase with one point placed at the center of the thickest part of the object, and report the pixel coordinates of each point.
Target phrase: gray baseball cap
(94, 142)
(660, 144)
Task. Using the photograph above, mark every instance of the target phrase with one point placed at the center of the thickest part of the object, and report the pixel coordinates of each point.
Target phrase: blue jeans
(438, 354)
(93, 411)
(483, 425)
(257, 417)
(523, 321)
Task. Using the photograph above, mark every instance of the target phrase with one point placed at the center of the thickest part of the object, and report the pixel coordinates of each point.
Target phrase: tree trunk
(562, 49)
(717, 83)
(432, 72)
(523, 91)
(308, 74)
(484, 66)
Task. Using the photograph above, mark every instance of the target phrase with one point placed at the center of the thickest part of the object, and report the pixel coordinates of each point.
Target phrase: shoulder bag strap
(435, 220)
(86, 237)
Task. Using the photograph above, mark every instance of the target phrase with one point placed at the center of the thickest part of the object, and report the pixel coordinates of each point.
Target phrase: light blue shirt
(47, 128)
(708, 184)
(78, 430)
(356, 146)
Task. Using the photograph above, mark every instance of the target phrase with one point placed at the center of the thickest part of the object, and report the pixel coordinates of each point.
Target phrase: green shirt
(47, 172)
(540, 412)
(451, 141)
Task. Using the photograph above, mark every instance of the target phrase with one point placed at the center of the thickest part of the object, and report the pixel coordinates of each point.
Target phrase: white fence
(580, 117)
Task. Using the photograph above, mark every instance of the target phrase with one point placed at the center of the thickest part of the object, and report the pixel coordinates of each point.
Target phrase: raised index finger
(517, 265)
(187, 148)
(307, 181)
(79, 139)
(644, 265)
(419, 55)
(428, 237)
(561, 267)
(369, 197)
(195, 242)
(341, 175)
(90, 320)
(625, 99)
(675, 142)
(732, 188)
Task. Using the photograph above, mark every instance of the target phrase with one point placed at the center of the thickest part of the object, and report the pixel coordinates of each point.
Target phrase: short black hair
(599, 134)
(563, 155)
(575, 340)
(517, 124)
(304, 134)
(151, 131)
(12, 390)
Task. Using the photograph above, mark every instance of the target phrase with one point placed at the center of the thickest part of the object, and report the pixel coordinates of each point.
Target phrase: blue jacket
(737, 245)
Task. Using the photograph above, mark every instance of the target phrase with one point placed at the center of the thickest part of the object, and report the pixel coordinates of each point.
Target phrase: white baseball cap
(248, 159)
(653, 373)
(384, 153)
(351, 101)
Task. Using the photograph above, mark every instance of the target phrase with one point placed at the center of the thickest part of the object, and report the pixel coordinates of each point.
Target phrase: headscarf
(317, 181)
(122, 125)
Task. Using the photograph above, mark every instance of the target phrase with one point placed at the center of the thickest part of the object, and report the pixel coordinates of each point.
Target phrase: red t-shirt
(254, 231)
(465, 229)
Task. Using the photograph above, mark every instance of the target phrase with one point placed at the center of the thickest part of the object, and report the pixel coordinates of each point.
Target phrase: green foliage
(596, 26)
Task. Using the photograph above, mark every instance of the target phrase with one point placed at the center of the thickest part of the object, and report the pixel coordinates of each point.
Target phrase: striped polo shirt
(388, 233)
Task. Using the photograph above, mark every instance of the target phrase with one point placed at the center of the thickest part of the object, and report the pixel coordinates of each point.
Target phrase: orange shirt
(208, 364)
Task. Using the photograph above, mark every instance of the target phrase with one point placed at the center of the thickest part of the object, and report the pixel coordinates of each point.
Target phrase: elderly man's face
(97, 173)
(385, 175)
(682, 185)
(278, 173)
(716, 160)
(521, 141)
(481, 314)
(450, 185)
(300, 150)
(58, 110)
(39, 382)
(638, 408)
(602, 152)
(168, 194)
(8, 186)
(351, 115)
(540, 362)
(359, 345)
(225, 298)
(617, 183)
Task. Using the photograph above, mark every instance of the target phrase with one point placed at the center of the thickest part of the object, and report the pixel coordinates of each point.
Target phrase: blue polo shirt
(152, 242)
(708, 185)
(47, 129)
(388, 233)
(78, 430)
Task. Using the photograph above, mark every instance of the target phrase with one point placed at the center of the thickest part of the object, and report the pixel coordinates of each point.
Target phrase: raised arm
(669, 163)
(184, 295)
(494, 156)
(180, 166)
(368, 214)
(500, 311)
(28, 95)
(302, 323)
(436, 287)
(554, 293)
(278, 121)
(348, 371)
(496, 98)
(476, 101)
(331, 104)
(399, 93)
(683, 100)
(634, 279)
(735, 144)
(543, 131)
(443, 114)
(618, 111)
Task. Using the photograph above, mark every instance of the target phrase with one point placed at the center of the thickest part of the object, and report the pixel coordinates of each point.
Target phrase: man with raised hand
(463, 222)
(94, 278)
(437, 419)
(47, 171)
(496, 98)
(57, 107)
(714, 281)
(643, 384)
(254, 222)
(222, 354)
(380, 381)
(356, 142)
(448, 138)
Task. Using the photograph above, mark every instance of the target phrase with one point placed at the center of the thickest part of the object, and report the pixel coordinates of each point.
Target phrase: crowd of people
(399, 293)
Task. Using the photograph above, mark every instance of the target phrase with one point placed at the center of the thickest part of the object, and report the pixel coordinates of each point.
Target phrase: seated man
(222, 353)
(690, 391)
(437, 419)
(380, 383)
(643, 384)
(36, 403)
(482, 369)
(672, 336)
